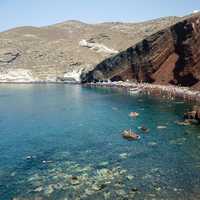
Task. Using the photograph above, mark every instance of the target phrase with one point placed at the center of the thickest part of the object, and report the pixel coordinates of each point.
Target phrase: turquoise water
(62, 142)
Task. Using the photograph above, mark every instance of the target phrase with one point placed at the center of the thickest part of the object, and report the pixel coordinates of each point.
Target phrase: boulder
(193, 115)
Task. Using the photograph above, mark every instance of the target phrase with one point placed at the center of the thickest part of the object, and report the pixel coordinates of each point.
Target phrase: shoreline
(42, 82)
(164, 91)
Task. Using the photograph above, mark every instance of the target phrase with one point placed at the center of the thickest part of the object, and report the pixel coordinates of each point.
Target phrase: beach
(164, 91)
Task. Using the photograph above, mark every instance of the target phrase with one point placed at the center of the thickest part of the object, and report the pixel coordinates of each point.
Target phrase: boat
(130, 135)
(133, 114)
(135, 90)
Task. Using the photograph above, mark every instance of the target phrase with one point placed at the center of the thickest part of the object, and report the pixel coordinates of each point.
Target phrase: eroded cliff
(170, 56)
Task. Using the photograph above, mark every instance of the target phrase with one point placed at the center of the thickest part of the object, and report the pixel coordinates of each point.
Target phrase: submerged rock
(75, 180)
(129, 177)
(178, 141)
(104, 173)
(98, 187)
(88, 192)
(102, 164)
(39, 189)
(115, 108)
(144, 129)
(158, 189)
(123, 155)
(161, 127)
(134, 189)
(121, 192)
(48, 190)
(107, 195)
(152, 144)
(30, 157)
(82, 186)
(183, 123)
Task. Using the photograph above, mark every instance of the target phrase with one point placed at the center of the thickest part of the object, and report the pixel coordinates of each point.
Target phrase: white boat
(135, 90)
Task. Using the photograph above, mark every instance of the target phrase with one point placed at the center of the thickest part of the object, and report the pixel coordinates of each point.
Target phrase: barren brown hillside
(62, 51)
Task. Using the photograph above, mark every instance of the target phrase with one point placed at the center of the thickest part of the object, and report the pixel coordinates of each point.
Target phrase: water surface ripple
(63, 142)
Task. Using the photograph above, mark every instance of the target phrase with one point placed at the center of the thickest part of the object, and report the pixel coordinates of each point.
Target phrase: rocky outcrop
(97, 47)
(8, 56)
(16, 75)
(193, 115)
(170, 56)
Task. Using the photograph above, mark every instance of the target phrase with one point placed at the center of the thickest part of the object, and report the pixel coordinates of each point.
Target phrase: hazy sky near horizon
(15, 13)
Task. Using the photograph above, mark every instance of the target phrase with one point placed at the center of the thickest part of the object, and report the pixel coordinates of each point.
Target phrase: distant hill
(63, 51)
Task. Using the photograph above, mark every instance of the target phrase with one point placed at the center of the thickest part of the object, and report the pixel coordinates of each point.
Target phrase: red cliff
(170, 56)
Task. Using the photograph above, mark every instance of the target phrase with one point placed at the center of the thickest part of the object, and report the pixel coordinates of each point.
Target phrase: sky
(14, 13)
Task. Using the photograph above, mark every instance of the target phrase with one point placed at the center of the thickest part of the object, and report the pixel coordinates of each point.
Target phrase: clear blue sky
(44, 12)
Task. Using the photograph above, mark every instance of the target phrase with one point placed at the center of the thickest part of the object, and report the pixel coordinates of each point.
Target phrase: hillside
(62, 52)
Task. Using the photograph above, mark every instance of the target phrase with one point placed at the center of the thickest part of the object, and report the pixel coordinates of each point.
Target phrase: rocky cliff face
(170, 56)
(63, 51)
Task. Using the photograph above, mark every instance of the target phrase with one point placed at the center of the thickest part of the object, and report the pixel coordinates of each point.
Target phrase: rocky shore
(164, 91)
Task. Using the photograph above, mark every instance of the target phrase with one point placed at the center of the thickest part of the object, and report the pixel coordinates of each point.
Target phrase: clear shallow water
(60, 142)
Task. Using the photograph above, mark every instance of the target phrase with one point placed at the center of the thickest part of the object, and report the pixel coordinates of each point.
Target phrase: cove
(60, 142)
